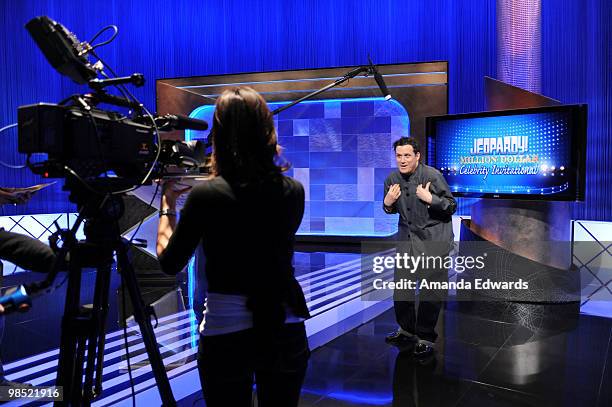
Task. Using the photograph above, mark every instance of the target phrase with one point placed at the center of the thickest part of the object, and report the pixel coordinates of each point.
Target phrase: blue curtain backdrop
(577, 68)
(191, 38)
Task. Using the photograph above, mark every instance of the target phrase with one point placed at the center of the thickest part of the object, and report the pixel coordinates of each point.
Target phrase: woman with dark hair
(246, 217)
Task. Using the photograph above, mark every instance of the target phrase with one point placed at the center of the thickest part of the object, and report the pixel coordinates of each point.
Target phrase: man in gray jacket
(421, 196)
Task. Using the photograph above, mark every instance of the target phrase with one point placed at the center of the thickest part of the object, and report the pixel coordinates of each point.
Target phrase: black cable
(108, 195)
(119, 88)
(159, 143)
(103, 158)
(7, 165)
(120, 192)
(127, 353)
(128, 95)
(11, 166)
(8, 126)
(99, 142)
(124, 90)
(113, 36)
(127, 346)
(155, 160)
(81, 180)
(125, 340)
(143, 219)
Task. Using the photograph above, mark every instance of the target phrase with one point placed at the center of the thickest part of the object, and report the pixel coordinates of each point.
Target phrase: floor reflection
(488, 354)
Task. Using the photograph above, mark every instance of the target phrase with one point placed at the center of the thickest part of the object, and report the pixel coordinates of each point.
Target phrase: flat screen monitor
(533, 154)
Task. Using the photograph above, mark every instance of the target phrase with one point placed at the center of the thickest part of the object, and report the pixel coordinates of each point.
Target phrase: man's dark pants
(422, 321)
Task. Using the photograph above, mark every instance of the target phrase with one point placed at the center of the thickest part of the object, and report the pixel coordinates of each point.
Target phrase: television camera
(102, 155)
(84, 141)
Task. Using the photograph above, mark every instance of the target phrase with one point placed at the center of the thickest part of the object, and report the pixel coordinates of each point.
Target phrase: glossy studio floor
(488, 354)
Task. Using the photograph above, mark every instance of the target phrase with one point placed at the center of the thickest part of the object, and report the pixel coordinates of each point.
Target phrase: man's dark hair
(407, 141)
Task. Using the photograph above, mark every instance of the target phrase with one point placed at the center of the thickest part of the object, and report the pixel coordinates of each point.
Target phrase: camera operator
(246, 217)
(24, 251)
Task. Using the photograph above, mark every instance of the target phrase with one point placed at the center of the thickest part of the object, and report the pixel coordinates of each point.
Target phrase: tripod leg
(96, 339)
(67, 365)
(148, 336)
(79, 357)
(102, 337)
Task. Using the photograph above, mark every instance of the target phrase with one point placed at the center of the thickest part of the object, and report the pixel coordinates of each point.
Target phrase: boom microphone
(380, 81)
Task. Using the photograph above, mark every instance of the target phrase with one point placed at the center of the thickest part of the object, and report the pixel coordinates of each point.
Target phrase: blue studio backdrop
(189, 38)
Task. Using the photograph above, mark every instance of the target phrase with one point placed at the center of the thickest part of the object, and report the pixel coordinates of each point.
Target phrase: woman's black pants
(229, 364)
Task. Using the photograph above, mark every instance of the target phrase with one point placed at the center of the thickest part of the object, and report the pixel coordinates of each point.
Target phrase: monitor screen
(536, 153)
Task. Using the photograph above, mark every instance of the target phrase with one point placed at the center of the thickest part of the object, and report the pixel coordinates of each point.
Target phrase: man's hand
(423, 193)
(8, 196)
(392, 195)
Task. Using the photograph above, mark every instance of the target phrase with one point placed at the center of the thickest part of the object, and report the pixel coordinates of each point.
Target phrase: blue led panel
(340, 150)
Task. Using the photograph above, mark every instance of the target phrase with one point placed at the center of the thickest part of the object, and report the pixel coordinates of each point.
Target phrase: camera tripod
(83, 327)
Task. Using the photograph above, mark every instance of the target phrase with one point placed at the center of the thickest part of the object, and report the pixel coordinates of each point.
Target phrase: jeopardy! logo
(500, 145)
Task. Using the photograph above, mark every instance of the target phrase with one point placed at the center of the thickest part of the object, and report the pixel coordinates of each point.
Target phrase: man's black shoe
(401, 339)
(423, 350)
